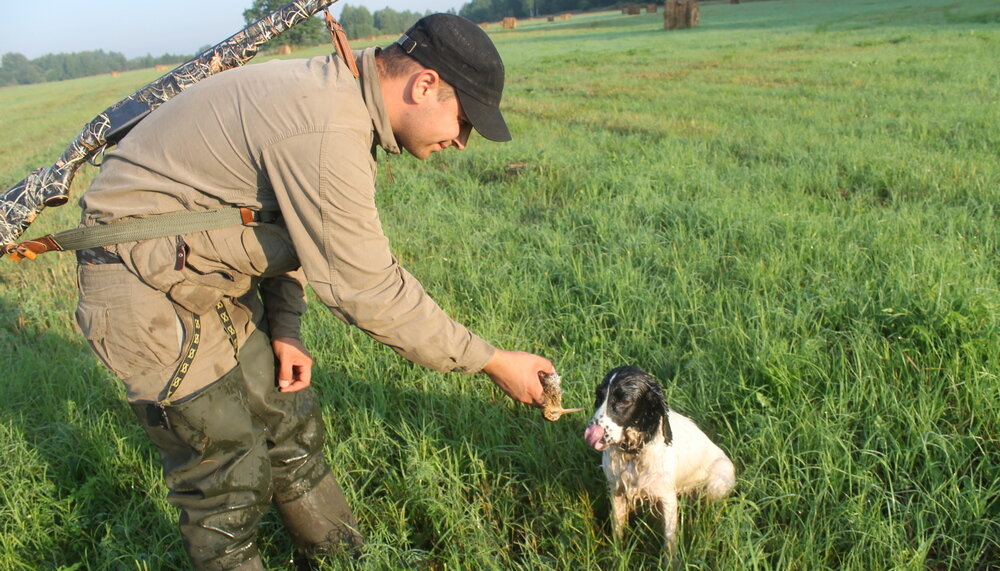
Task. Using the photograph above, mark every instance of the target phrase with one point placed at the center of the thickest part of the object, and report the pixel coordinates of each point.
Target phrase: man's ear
(424, 84)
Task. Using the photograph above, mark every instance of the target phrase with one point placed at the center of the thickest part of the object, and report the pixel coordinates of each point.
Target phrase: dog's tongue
(593, 436)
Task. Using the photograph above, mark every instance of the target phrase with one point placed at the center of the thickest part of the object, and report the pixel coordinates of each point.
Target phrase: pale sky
(139, 27)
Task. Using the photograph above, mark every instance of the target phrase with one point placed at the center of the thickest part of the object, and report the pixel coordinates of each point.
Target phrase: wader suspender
(185, 364)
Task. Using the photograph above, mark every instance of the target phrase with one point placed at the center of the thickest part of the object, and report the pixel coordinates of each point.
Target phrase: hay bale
(633, 10)
(680, 14)
(651, 8)
(564, 16)
(509, 23)
(550, 19)
(284, 49)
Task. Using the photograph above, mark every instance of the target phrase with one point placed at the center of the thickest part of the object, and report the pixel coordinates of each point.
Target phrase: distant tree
(494, 10)
(141, 62)
(169, 59)
(15, 68)
(57, 67)
(357, 22)
(518, 8)
(308, 33)
(389, 21)
(479, 11)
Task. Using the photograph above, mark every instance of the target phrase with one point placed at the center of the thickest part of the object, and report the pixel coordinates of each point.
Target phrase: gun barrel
(21, 203)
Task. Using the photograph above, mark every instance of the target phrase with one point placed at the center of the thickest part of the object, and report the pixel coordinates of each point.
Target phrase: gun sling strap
(136, 229)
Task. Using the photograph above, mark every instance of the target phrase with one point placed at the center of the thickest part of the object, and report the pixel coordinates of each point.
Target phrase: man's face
(432, 125)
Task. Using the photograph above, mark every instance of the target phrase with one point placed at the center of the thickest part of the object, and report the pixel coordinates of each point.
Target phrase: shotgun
(50, 186)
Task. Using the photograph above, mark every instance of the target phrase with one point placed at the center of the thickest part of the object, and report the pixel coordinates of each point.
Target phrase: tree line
(17, 69)
(358, 22)
(496, 10)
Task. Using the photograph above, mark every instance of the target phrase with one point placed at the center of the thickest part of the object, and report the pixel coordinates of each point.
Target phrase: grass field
(788, 214)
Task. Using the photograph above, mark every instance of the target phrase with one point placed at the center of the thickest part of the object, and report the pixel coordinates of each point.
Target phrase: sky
(139, 27)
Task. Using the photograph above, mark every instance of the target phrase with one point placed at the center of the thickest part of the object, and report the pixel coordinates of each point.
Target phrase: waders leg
(216, 467)
(232, 448)
(308, 499)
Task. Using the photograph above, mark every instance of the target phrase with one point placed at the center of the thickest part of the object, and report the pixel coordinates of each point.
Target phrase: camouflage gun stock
(50, 186)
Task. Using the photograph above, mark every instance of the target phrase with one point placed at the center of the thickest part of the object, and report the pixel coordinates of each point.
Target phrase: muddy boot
(254, 564)
(321, 523)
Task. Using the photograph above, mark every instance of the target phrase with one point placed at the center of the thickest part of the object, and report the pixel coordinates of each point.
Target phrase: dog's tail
(721, 478)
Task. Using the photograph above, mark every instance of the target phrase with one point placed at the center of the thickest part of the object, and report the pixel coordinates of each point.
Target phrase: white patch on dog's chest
(645, 476)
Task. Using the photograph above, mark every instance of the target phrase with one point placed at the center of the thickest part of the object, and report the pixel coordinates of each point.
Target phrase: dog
(651, 453)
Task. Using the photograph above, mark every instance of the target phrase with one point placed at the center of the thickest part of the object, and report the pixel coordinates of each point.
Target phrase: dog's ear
(668, 435)
(651, 406)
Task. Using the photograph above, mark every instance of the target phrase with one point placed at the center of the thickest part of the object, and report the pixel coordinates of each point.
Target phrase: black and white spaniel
(651, 453)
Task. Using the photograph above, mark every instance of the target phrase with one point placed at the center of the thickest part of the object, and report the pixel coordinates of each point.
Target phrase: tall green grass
(787, 214)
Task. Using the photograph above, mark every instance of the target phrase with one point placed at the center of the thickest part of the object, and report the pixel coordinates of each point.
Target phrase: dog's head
(629, 410)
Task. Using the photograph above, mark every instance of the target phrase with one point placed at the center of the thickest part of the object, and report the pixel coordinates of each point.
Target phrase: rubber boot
(254, 564)
(321, 523)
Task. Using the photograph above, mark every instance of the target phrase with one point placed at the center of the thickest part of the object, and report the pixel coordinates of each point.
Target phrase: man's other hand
(294, 364)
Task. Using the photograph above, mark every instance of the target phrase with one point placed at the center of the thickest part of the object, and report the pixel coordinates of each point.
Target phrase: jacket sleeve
(284, 303)
(324, 184)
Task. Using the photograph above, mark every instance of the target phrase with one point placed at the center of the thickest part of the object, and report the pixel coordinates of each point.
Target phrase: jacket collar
(371, 90)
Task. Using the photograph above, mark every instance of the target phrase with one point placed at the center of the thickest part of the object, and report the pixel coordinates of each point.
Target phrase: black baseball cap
(465, 57)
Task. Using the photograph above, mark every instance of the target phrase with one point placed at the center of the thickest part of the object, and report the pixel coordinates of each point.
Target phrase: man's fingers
(305, 374)
(292, 386)
(285, 375)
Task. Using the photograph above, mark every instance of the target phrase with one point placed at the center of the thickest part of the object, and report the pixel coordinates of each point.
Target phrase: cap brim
(487, 120)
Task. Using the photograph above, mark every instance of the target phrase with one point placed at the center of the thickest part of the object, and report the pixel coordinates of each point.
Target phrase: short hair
(393, 62)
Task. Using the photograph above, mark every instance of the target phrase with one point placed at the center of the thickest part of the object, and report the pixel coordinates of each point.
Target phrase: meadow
(789, 215)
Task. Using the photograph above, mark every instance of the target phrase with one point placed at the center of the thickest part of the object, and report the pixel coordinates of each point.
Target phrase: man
(203, 328)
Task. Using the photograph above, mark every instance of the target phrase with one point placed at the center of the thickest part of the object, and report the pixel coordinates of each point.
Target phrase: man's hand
(294, 364)
(516, 373)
